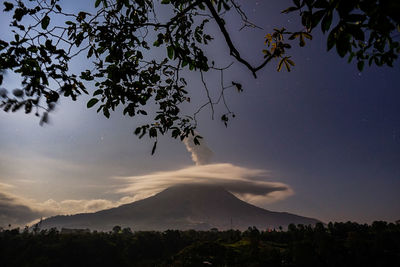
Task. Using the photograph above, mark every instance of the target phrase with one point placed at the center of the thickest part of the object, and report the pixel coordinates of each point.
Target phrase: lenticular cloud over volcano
(251, 185)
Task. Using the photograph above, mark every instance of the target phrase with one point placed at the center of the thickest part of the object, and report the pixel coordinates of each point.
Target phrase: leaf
(98, 92)
(331, 39)
(18, 92)
(306, 19)
(81, 16)
(44, 119)
(316, 17)
(138, 130)
(97, 3)
(3, 92)
(92, 102)
(343, 44)
(153, 132)
(360, 65)
(90, 52)
(294, 35)
(45, 22)
(287, 65)
(225, 120)
(154, 148)
(357, 33)
(106, 113)
(302, 43)
(196, 141)
(170, 51)
(351, 57)
(19, 13)
(290, 9)
(307, 35)
(238, 86)
(326, 22)
(290, 62)
(8, 6)
(184, 63)
(280, 65)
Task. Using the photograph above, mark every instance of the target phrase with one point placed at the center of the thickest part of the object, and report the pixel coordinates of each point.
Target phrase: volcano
(182, 207)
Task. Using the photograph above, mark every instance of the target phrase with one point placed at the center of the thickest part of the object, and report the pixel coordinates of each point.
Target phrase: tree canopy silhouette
(335, 244)
(121, 36)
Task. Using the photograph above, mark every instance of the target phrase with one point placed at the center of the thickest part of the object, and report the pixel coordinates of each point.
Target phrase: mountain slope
(199, 207)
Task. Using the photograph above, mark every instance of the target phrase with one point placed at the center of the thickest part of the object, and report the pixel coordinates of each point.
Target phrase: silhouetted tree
(339, 244)
(117, 36)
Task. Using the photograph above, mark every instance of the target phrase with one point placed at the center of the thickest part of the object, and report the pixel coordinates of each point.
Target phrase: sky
(322, 141)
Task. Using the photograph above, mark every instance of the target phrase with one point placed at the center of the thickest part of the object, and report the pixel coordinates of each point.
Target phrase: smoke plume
(201, 154)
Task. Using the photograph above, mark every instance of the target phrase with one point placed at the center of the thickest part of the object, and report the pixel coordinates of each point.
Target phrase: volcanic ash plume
(201, 154)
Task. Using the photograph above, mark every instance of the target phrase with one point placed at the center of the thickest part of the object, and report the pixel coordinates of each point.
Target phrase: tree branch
(183, 12)
(234, 52)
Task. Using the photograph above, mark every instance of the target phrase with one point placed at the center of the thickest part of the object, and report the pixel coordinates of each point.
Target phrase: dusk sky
(322, 141)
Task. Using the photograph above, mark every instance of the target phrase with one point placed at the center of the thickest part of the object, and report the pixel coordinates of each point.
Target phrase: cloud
(201, 154)
(14, 214)
(20, 211)
(5, 186)
(251, 185)
(12, 209)
(72, 206)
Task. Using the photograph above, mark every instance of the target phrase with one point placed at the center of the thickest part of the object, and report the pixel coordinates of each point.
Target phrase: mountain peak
(182, 206)
(195, 191)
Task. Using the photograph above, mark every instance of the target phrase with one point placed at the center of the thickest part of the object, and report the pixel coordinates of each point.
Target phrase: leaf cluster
(121, 38)
(35, 54)
(364, 30)
(118, 39)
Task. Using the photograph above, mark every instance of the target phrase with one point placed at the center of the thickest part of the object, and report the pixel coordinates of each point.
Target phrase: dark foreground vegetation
(335, 244)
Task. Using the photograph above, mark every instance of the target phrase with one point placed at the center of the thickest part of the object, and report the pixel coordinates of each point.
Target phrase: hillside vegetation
(335, 244)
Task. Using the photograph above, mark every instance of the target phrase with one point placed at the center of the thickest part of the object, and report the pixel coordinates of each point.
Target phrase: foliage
(365, 30)
(120, 37)
(335, 244)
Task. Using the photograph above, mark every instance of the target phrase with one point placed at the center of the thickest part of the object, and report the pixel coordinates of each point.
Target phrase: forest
(333, 244)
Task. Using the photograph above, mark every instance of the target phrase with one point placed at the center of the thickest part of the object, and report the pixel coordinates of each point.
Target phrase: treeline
(335, 244)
